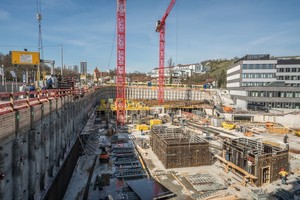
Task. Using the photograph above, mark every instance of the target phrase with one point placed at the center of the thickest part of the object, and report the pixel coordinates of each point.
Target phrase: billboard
(82, 76)
(25, 58)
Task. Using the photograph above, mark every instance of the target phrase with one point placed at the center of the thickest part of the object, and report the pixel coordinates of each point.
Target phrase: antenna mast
(40, 42)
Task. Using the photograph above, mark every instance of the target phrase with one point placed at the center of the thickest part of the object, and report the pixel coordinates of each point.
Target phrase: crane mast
(160, 27)
(121, 58)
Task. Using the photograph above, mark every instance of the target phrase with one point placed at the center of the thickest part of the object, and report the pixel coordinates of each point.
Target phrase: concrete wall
(288, 120)
(36, 141)
(133, 92)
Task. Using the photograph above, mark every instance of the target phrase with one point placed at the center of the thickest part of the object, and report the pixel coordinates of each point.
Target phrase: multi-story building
(257, 81)
(76, 68)
(180, 71)
(83, 67)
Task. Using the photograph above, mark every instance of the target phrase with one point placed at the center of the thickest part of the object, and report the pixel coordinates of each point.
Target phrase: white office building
(261, 82)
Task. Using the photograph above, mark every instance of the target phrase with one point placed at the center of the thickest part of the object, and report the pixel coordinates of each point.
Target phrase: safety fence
(11, 101)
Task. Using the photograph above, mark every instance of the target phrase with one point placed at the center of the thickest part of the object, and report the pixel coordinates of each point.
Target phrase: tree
(221, 79)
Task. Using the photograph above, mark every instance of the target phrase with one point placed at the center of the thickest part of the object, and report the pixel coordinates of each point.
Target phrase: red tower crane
(121, 58)
(160, 27)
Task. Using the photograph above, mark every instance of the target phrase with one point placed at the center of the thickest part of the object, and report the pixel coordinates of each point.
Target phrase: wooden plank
(236, 167)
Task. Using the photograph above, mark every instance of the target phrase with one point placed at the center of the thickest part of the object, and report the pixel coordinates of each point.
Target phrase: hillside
(217, 73)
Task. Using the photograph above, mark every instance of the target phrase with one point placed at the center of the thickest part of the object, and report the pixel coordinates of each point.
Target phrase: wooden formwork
(177, 149)
(266, 160)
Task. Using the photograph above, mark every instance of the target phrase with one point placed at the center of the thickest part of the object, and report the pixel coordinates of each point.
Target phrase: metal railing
(10, 101)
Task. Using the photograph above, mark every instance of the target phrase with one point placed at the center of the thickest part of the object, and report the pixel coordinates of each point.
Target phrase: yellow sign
(25, 58)
(82, 77)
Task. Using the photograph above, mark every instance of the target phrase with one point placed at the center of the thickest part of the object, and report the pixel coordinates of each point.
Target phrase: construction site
(128, 142)
(191, 151)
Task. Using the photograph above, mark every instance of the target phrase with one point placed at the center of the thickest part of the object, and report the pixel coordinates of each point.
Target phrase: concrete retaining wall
(35, 143)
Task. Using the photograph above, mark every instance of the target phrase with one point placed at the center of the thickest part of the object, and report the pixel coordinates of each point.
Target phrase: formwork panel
(178, 149)
(267, 160)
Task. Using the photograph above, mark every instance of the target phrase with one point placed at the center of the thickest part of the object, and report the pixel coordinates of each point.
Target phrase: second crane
(160, 27)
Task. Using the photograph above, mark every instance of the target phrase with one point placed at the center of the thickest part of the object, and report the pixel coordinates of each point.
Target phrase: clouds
(4, 15)
(196, 30)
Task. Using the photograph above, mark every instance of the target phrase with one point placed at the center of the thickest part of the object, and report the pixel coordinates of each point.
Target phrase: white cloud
(4, 15)
(267, 38)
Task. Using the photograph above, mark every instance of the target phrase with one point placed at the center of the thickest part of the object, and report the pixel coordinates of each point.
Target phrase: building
(262, 82)
(76, 68)
(97, 74)
(175, 148)
(264, 161)
(180, 71)
(83, 67)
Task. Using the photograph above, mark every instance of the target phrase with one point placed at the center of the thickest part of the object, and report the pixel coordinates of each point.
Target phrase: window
(294, 69)
(270, 94)
(280, 70)
(270, 66)
(264, 66)
(287, 70)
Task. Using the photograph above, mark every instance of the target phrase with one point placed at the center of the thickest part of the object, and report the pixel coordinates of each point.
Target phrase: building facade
(257, 81)
(83, 67)
(180, 71)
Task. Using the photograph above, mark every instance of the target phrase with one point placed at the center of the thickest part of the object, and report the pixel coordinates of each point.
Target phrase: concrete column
(2, 173)
(57, 135)
(17, 169)
(32, 157)
(44, 155)
(62, 128)
(51, 140)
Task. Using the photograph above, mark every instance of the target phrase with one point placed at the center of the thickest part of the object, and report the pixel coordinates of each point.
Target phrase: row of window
(288, 70)
(281, 94)
(258, 75)
(288, 78)
(258, 66)
(254, 84)
(290, 105)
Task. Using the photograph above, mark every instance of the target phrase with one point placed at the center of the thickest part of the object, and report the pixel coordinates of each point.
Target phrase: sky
(196, 30)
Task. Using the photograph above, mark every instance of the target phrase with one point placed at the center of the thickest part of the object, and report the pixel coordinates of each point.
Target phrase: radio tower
(40, 43)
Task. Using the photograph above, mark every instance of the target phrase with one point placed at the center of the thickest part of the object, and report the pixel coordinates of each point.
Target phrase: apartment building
(259, 81)
(180, 71)
(83, 67)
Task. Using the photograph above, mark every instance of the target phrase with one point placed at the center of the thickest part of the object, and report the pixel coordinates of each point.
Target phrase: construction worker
(249, 166)
(286, 139)
(283, 175)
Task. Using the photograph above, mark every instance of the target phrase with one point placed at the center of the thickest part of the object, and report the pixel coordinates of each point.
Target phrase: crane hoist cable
(112, 46)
